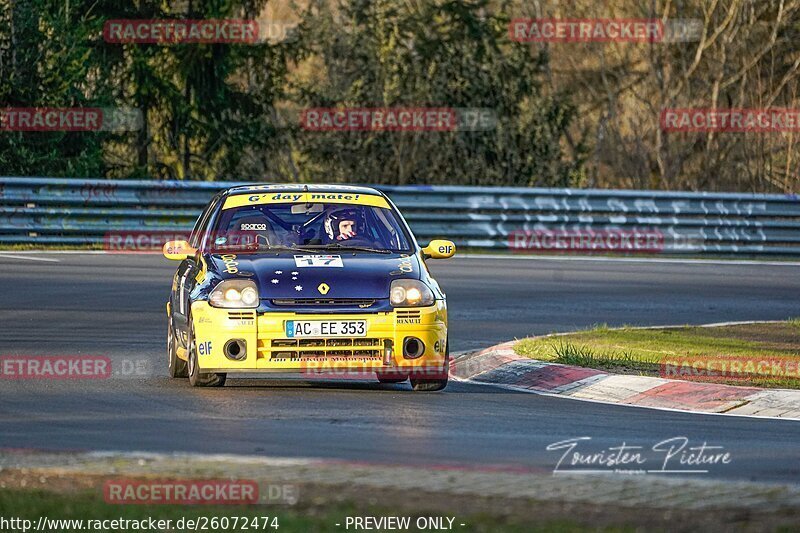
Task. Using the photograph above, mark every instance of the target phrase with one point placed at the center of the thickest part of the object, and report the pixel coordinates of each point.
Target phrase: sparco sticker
(318, 261)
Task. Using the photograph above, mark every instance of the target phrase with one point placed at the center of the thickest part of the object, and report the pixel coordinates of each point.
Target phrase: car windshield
(309, 226)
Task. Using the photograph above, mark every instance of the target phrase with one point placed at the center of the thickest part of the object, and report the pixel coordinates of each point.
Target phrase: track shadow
(454, 387)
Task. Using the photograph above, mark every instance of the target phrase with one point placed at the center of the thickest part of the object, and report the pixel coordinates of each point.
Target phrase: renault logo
(323, 288)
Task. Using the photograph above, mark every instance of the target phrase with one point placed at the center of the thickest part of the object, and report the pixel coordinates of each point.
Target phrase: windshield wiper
(354, 247)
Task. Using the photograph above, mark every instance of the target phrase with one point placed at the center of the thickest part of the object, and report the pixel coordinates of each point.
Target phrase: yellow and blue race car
(306, 279)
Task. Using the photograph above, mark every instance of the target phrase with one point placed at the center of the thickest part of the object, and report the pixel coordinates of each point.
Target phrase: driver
(345, 224)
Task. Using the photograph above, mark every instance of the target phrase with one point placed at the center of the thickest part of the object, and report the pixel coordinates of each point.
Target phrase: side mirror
(439, 249)
(178, 250)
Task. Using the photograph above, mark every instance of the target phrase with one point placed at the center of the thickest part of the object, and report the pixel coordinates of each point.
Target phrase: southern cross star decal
(274, 281)
(298, 288)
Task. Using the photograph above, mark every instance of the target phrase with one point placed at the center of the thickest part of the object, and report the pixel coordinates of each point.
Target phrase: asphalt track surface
(113, 305)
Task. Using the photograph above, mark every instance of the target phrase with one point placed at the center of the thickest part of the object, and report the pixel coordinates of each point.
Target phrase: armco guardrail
(78, 211)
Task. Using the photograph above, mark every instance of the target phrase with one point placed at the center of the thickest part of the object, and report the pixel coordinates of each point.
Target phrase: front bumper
(267, 349)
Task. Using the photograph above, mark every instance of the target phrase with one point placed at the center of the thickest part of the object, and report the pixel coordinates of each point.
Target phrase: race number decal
(318, 261)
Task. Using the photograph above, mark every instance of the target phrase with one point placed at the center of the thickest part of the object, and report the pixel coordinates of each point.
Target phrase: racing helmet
(334, 218)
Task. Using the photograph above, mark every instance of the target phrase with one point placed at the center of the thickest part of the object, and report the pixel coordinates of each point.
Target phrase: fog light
(235, 349)
(388, 352)
(413, 348)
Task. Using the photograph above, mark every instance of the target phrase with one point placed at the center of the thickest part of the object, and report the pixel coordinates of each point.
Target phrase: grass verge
(761, 355)
(33, 493)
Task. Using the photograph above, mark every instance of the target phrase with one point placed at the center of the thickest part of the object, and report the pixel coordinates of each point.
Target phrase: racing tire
(196, 379)
(176, 366)
(439, 382)
(388, 377)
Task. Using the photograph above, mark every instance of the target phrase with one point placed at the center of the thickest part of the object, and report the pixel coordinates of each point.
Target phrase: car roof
(303, 187)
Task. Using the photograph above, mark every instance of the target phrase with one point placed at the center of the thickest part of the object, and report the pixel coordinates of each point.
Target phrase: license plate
(326, 328)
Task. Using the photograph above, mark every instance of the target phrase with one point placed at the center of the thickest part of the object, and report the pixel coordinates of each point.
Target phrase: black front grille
(302, 302)
(315, 348)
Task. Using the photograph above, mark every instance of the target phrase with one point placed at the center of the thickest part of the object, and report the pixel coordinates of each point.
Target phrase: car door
(185, 278)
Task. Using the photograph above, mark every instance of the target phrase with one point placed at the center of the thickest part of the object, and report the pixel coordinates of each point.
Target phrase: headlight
(410, 293)
(237, 293)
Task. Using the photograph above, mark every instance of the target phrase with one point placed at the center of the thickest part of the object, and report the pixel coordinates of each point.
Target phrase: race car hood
(346, 275)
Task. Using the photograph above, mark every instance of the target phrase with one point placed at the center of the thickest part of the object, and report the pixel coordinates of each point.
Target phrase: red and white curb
(500, 365)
